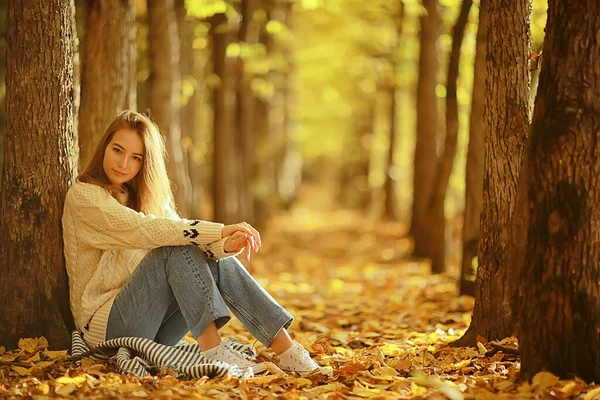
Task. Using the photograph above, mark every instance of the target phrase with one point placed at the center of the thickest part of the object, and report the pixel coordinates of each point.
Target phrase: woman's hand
(235, 242)
(241, 236)
(254, 240)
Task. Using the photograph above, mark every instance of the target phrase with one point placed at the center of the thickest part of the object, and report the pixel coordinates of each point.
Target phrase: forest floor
(377, 318)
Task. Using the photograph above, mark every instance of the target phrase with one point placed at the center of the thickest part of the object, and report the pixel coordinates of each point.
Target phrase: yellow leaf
(66, 389)
(66, 380)
(367, 392)
(28, 344)
(571, 389)
(44, 388)
(544, 380)
(320, 390)
(34, 358)
(128, 388)
(385, 371)
(2, 350)
(11, 357)
(482, 349)
(22, 371)
(44, 364)
(54, 355)
(139, 393)
(592, 394)
(42, 342)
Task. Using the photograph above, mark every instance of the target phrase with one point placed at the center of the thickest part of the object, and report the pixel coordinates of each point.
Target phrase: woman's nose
(123, 162)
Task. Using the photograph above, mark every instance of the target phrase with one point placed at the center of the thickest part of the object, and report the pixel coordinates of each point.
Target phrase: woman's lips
(118, 173)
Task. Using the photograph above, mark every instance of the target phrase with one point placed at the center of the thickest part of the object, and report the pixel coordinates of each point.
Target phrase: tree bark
(506, 127)
(246, 109)
(559, 308)
(108, 76)
(391, 203)
(39, 168)
(188, 71)
(437, 225)
(474, 169)
(165, 91)
(225, 191)
(427, 123)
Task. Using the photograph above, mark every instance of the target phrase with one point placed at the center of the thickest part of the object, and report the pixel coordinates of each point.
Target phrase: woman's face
(123, 157)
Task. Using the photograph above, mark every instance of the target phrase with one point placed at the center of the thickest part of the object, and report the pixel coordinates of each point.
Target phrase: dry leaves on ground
(362, 307)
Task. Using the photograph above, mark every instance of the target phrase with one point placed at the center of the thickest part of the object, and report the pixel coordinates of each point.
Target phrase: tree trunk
(165, 90)
(437, 225)
(559, 308)
(246, 109)
(190, 89)
(108, 75)
(506, 126)
(474, 169)
(391, 203)
(39, 168)
(427, 118)
(225, 157)
(354, 178)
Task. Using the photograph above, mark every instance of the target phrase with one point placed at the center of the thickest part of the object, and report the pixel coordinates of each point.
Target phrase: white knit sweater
(104, 243)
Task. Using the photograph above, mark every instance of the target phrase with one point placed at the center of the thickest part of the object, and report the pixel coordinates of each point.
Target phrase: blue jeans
(177, 289)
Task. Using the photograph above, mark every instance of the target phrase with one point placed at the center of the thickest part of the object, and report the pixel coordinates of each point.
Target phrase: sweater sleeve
(111, 225)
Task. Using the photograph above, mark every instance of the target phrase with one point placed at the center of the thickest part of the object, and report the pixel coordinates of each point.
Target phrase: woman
(136, 269)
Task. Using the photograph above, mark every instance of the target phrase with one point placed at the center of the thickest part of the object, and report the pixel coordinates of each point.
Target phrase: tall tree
(437, 225)
(474, 169)
(559, 307)
(390, 207)
(264, 163)
(165, 88)
(189, 70)
(225, 157)
(108, 74)
(248, 37)
(427, 118)
(506, 127)
(38, 170)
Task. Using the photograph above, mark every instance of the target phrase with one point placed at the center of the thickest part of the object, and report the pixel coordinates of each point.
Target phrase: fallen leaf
(22, 371)
(544, 380)
(28, 344)
(55, 355)
(592, 394)
(66, 389)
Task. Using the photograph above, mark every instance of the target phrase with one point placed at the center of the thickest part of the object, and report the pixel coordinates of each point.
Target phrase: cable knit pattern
(105, 242)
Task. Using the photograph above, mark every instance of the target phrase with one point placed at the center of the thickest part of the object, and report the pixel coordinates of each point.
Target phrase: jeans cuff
(219, 319)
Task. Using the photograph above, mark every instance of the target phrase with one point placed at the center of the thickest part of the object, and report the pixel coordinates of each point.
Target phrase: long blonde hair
(149, 191)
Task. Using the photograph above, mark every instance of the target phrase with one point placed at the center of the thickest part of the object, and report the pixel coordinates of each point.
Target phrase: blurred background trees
(365, 105)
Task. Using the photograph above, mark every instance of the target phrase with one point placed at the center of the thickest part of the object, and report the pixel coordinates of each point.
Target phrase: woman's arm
(110, 225)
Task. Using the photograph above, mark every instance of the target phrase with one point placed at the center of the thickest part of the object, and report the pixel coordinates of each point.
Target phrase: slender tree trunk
(165, 90)
(190, 89)
(39, 168)
(427, 118)
(559, 307)
(354, 182)
(108, 76)
(437, 225)
(225, 156)
(474, 169)
(246, 109)
(2, 79)
(506, 127)
(391, 204)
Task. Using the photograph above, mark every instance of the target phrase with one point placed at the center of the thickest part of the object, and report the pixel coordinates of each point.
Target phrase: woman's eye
(136, 158)
(117, 150)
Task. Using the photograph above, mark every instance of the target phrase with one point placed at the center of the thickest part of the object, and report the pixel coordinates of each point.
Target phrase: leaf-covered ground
(362, 307)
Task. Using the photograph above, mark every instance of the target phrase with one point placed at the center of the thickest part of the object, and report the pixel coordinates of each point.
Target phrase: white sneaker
(224, 352)
(297, 359)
